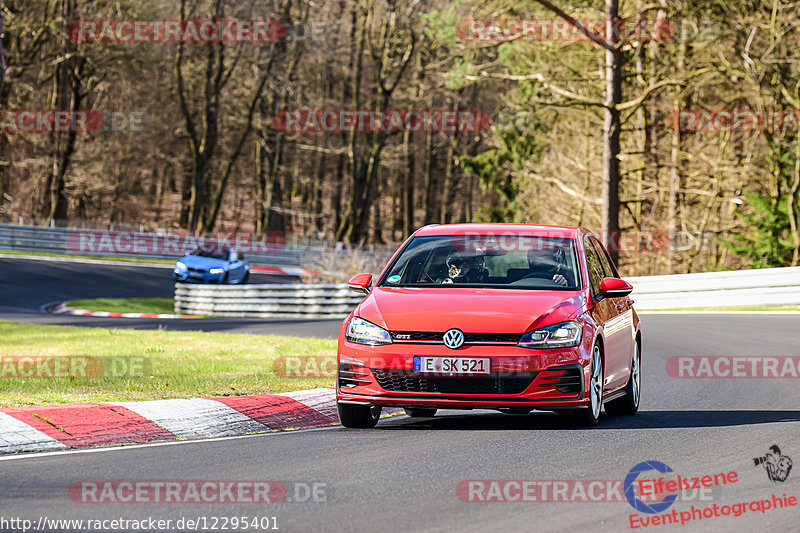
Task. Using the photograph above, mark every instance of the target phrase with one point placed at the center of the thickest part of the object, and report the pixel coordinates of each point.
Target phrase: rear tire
(420, 412)
(629, 404)
(590, 415)
(358, 416)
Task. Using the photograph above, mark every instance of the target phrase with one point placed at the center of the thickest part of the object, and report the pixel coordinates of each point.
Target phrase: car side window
(608, 267)
(596, 273)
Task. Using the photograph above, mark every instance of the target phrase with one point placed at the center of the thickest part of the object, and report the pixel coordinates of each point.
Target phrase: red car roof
(500, 229)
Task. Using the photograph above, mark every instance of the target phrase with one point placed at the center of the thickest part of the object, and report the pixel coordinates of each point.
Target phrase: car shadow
(452, 420)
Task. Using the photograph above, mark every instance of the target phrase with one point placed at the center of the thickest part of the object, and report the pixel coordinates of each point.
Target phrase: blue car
(216, 265)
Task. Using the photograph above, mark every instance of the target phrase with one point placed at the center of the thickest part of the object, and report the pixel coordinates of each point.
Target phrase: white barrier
(266, 301)
(735, 288)
(770, 286)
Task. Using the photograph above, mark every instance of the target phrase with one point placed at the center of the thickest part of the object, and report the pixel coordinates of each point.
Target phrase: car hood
(196, 261)
(471, 310)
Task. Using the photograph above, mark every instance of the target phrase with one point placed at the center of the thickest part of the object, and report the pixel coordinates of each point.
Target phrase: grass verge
(177, 364)
(126, 305)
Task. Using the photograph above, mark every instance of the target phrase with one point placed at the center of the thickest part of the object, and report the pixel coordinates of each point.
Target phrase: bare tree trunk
(675, 162)
(2, 56)
(449, 186)
(793, 211)
(611, 132)
(430, 181)
(408, 183)
(68, 97)
(345, 230)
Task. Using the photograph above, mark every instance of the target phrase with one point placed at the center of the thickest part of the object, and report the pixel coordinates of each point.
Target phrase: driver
(548, 264)
(465, 267)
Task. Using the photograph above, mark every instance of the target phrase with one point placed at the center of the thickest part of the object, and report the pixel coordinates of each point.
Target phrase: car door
(618, 330)
(604, 313)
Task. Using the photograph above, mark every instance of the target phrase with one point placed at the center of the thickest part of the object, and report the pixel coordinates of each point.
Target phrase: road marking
(195, 418)
(157, 444)
(176, 443)
(17, 436)
(322, 400)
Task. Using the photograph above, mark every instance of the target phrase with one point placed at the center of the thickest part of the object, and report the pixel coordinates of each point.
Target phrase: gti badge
(453, 338)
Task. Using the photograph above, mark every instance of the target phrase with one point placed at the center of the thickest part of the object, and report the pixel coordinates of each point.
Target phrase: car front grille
(404, 381)
(411, 337)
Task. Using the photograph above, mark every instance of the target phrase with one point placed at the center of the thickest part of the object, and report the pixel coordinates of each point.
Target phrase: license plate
(465, 366)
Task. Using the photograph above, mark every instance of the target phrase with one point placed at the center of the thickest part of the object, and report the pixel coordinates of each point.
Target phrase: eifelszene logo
(630, 486)
(777, 466)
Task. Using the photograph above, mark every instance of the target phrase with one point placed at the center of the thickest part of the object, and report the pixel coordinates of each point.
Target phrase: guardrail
(57, 240)
(771, 286)
(735, 288)
(266, 301)
(67, 241)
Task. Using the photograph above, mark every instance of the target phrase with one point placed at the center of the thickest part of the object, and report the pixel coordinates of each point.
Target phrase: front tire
(420, 412)
(358, 416)
(590, 415)
(629, 404)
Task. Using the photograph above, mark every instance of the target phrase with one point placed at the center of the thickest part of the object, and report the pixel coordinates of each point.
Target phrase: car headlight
(216, 271)
(363, 332)
(180, 266)
(562, 335)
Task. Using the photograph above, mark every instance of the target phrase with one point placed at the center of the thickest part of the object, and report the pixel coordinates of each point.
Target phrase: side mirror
(615, 288)
(361, 283)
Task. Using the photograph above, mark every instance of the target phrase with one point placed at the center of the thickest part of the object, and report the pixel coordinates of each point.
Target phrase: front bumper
(520, 378)
(188, 276)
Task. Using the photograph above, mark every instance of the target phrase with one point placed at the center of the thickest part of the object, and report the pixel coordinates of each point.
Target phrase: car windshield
(214, 253)
(509, 261)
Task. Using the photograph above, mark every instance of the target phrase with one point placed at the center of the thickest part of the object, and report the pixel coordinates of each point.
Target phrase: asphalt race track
(26, 286)
(402, 475)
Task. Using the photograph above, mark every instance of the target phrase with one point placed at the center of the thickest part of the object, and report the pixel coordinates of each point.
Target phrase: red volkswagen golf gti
(510, 317)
